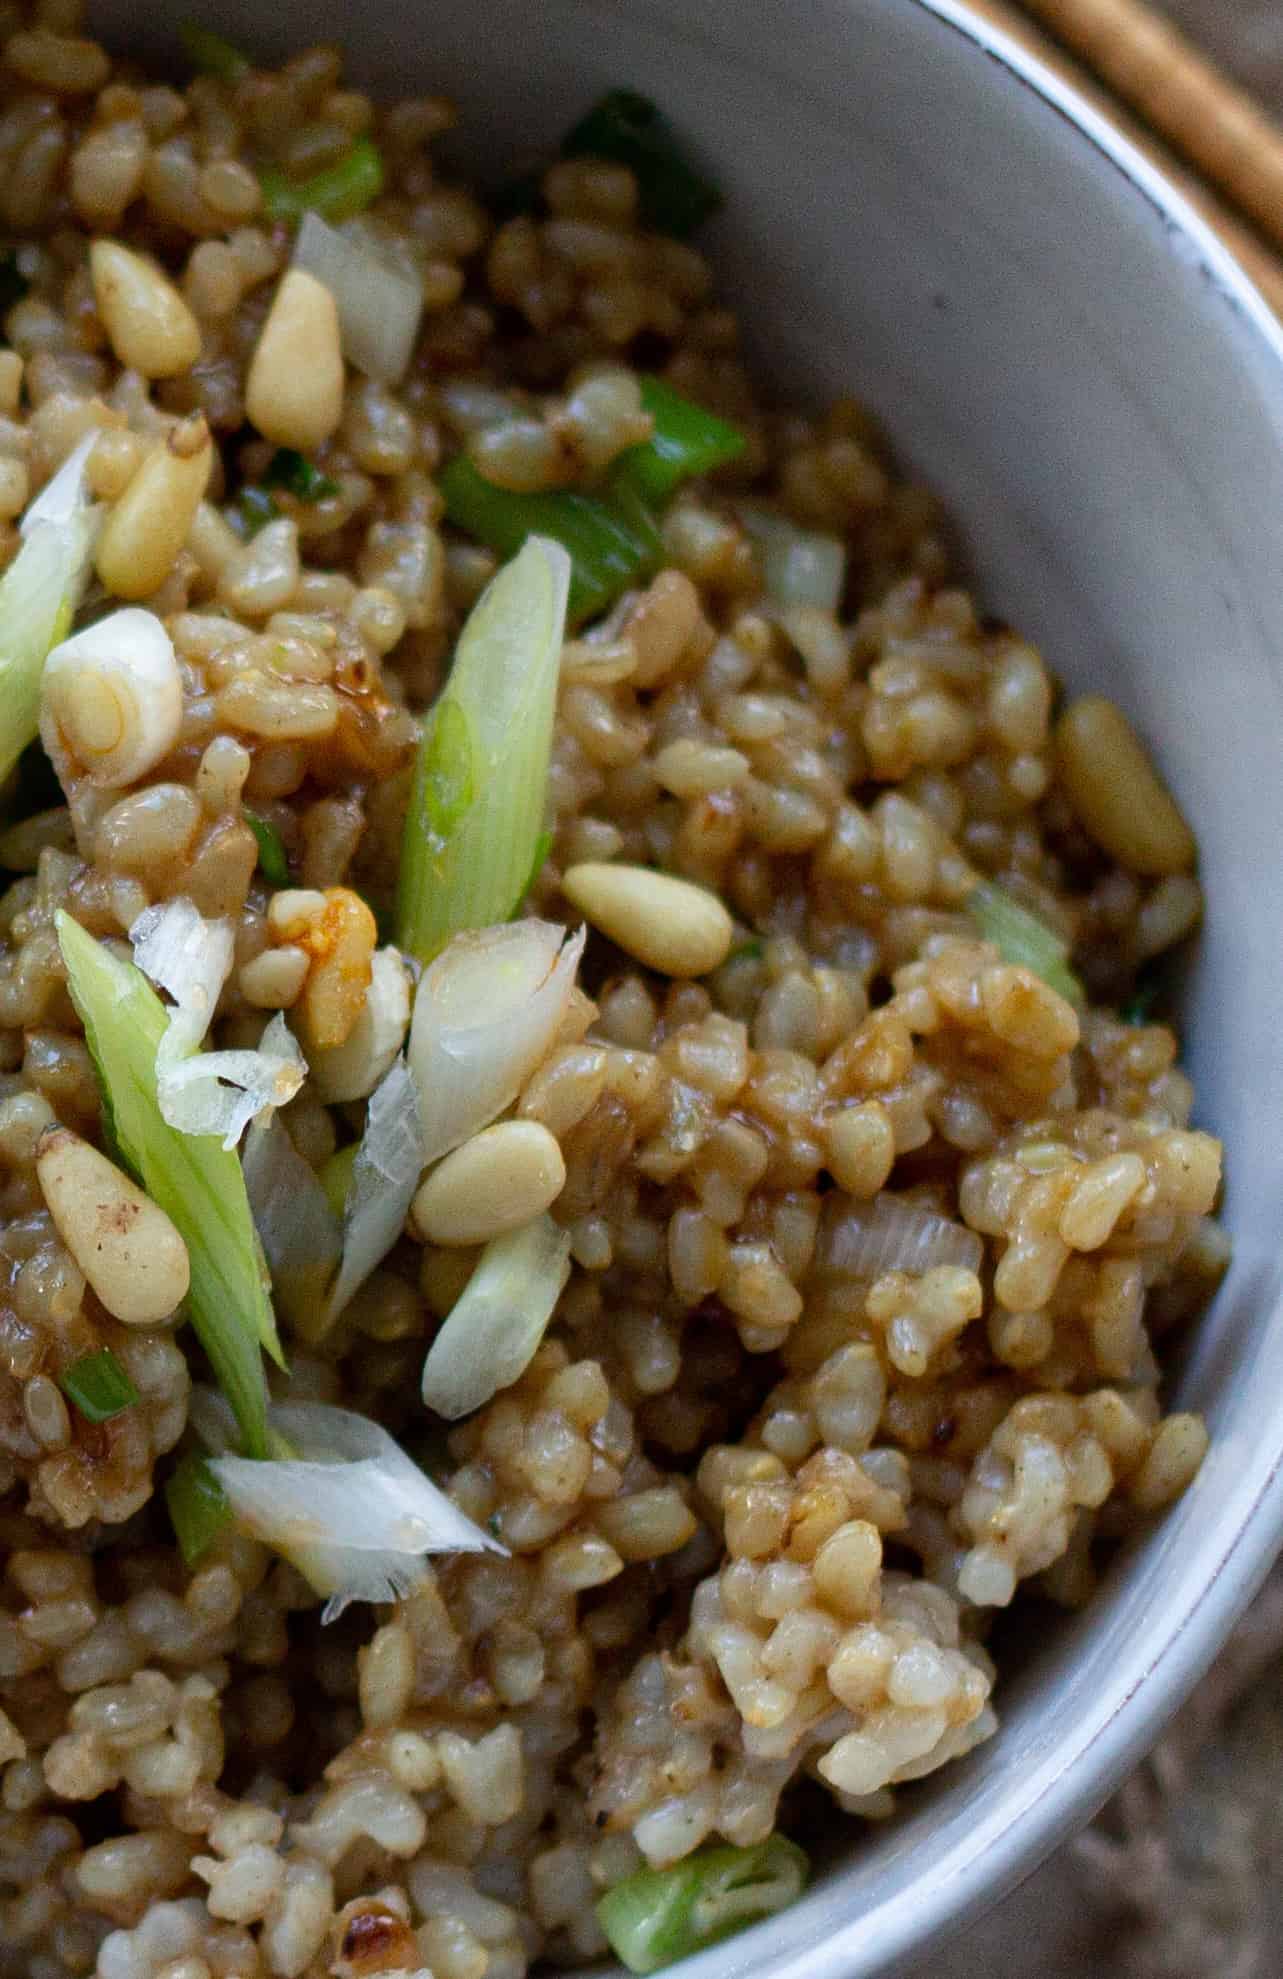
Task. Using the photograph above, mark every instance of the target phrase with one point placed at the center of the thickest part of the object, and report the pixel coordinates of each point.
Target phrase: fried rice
(877, 1236)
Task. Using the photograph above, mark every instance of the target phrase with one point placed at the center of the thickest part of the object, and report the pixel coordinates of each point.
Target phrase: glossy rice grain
(772, 1473)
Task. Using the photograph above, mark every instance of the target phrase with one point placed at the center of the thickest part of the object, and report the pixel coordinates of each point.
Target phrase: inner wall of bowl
(908, 219)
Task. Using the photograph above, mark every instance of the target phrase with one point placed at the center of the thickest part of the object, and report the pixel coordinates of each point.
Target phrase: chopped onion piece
(384, 1177)
(353, 1513)
(301, 1236)
(492, 1330)
(485, 1015)
(799, 566)
(379, 306)
(353, 1069)
(208, 1092)
(220, 1092)
(864, 1240)
(190, 957)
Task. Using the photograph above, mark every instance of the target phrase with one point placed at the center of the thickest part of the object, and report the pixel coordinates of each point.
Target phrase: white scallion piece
(220, 1092)
(384, 1177)
(39, 594)
(351, 1511)
(799, 566)
(301, 1236)
(208, 1092)
(379, 306)
(864, 1240)
(494, 1327)
(111, 699)
(485, 1014)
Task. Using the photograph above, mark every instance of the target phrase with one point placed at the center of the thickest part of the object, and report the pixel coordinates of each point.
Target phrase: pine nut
(294, 392)
(124, 1243)
(1116, 791)
(497, 1181)
(148, 526)
(149, 325)
(339, 935)
(666, 923)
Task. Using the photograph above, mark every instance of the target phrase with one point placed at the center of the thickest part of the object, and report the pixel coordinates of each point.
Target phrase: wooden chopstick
(1207, 118)
(1264, 267)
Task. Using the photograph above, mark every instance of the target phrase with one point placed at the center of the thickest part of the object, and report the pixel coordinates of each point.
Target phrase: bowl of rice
(638, 1155)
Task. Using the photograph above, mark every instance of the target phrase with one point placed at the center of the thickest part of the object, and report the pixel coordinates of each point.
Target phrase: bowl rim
(1123, 1724)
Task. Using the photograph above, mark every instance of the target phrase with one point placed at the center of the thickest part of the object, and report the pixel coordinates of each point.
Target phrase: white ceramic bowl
(917, 213)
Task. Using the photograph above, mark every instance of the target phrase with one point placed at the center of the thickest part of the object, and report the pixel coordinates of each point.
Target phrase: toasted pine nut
(148, 525)
(149, 324)
(497, 1181)
(339, 935)
(294, 391)
(669, 924)
(123, 1242)
(1116, 792)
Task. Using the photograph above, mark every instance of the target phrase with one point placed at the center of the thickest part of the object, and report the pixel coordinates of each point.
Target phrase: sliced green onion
(629, 130)
(211, 54)
(1021, 938)
(687, 440)
(543, 846)
(335, 1176)
(660, 1915)
(198, 1507)
(13, 283)
(99, 1386)
(38, 597)
(272, 861)
(196, 1181)
(610, 550)
(298, 476)
(254, 509)
(346, 187)
(480, 784)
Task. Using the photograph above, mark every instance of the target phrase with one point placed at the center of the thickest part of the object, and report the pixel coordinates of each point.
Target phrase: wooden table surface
(1245, 37)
